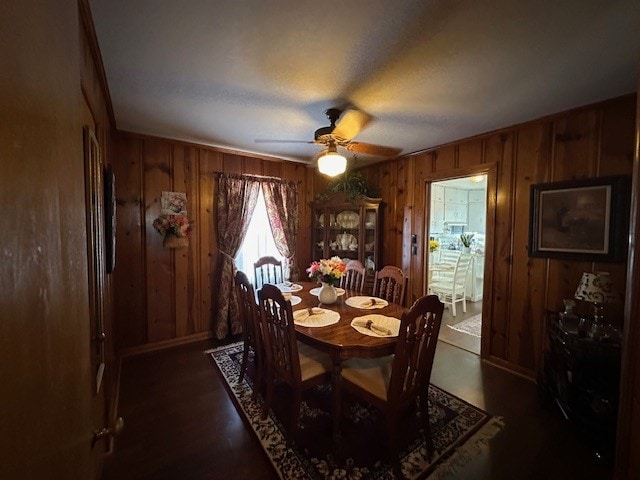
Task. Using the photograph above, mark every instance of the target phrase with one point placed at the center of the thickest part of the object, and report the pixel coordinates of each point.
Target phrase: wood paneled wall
(165, 296)
(592, 141)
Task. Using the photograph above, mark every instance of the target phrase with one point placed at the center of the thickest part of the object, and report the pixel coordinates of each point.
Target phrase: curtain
(281, 199)
(237, 197)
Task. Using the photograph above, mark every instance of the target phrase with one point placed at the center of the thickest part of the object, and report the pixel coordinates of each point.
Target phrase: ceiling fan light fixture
(332, 163)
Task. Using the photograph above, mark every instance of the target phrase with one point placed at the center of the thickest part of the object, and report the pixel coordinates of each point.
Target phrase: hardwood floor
(180, 423)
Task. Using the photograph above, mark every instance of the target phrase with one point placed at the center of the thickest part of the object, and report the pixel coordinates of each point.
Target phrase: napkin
(307, 312)
(372, 326)
(370, 302)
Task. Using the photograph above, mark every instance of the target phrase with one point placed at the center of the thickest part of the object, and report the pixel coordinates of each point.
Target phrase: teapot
(344, 240)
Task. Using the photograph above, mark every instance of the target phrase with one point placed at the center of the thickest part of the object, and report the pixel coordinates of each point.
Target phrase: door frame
(491, 171)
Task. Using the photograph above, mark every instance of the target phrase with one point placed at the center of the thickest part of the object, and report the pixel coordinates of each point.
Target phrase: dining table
(341, 340)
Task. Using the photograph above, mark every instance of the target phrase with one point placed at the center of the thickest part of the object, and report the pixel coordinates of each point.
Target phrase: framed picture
(173, 203)
(584, 220)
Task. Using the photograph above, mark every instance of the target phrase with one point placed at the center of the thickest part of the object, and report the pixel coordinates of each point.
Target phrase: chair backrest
(449, 256)
(390, 284)
(354, 276)
(279, 335)
(462, 267)
(267, 270)
(249, 315)
(415, 350)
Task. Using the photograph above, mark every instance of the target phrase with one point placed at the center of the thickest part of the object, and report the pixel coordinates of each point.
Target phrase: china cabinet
(348, 228)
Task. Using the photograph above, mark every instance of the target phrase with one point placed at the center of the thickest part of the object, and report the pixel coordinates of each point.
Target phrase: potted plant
(465, 239)
(328, 272)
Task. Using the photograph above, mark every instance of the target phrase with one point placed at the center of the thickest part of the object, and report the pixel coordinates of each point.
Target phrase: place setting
(315, 317)
(375, 325)
(366, 303)
(289, 287)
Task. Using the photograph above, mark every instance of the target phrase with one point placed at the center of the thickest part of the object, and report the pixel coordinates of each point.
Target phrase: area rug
(470, 326)
(458, 430)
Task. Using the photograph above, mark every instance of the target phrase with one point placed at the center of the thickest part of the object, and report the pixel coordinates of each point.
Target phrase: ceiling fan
(340, 133)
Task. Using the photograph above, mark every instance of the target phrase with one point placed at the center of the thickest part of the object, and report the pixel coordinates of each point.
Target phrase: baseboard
(154, 347)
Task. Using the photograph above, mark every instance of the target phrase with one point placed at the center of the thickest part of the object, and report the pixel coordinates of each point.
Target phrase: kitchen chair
(251, 329)
(393, 383)
(447, 257)
(390, 284)
(297, 364)
(267, 270)
(452, 290)
(354, 276)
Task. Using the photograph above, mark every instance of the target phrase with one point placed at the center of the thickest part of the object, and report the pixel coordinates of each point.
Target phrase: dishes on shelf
(332, 220)
(346, 241)
(348, 219)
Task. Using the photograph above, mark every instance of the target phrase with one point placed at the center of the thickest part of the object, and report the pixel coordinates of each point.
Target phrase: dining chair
(251, 330)
(390, 283)
(354, 276)
(447, 258)
(393, 383)
(267, 270)
(296, 364)
(453, 289)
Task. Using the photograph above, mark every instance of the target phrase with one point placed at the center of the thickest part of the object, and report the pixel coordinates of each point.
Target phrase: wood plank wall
(592, 141)
(165, 296)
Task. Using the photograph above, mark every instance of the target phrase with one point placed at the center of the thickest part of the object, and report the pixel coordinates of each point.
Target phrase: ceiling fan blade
(266, 140)
(370, 149)
(350, 124)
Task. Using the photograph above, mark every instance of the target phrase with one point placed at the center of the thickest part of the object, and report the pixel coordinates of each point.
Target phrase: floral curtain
(237, 198)
(281, 199)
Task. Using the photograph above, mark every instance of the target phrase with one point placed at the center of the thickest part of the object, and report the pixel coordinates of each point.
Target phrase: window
(258, 242)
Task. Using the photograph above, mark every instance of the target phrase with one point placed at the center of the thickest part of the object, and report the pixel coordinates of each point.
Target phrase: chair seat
(370, 374)
(445, 286)
(313, 362)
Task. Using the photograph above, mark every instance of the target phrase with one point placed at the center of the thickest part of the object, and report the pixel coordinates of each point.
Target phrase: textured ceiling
(226, 73)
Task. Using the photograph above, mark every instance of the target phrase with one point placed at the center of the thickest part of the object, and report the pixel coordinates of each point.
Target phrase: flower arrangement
(327, 271)
(434, 245)
(176, 225)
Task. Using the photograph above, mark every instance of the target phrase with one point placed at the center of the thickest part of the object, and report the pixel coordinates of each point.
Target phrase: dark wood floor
(181, 424)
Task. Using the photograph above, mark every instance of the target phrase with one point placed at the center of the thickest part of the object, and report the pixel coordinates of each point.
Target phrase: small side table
(581, 376)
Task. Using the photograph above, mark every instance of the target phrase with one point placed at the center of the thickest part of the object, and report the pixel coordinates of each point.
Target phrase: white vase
(466, 249)
(327, 294)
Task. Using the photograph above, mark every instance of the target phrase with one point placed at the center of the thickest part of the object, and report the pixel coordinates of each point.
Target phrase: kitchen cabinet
(455, 195)
(455, 212)
(477, 217)
(436, 219)
(347, 228)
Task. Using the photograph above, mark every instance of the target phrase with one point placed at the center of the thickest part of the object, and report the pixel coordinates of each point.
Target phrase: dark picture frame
(584, 220)
(110, 218)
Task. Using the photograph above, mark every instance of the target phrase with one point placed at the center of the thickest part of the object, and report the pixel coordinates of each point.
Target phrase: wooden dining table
(341, 341)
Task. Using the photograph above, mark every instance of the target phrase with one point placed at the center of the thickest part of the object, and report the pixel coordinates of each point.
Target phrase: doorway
(457, 242)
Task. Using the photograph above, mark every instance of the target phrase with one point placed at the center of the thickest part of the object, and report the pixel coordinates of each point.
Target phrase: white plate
(289, 287)
(294, 299)
(323, 318)
(348, 219)
(315, 291)
(365, 302)
(332, 220)
(383, 321)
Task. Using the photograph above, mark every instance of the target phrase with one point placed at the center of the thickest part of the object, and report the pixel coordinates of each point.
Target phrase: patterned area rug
(458, 430)
(470, 326)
